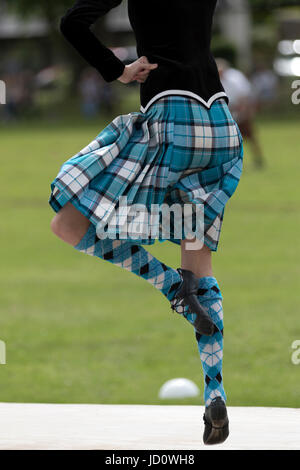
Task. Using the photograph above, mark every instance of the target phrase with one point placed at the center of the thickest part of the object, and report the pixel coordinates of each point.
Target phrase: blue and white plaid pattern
(211, 347)
(178, 152)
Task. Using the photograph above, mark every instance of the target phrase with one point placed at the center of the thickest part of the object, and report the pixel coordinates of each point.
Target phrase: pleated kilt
(178, 152)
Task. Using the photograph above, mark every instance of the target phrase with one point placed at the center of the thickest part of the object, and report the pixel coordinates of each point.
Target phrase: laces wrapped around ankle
(188, 288)
(178, 305)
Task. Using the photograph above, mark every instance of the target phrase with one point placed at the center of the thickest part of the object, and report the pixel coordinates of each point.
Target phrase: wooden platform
(44, 426)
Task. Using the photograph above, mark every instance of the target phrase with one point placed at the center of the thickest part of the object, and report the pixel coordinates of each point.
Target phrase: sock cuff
(208, 287)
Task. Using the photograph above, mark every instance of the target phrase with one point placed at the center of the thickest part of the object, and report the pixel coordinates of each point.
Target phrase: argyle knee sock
(211, 347)
(133, 258)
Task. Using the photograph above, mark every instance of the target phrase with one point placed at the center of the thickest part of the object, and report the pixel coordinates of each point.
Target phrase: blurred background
(69, 337)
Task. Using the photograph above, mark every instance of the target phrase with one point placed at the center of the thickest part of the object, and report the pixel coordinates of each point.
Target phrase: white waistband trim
(184, 93)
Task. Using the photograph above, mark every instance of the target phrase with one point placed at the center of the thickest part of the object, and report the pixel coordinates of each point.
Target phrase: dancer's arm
(75, 26)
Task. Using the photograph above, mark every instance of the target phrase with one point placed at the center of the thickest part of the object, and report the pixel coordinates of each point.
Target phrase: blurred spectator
(107, 97)
(89, 89)
(96, 94)
(265, 86)
(19, 93)
(52, 84)
(241, 104)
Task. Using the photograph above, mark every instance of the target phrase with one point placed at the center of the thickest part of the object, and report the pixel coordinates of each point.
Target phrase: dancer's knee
(59, 226)
(69, 225)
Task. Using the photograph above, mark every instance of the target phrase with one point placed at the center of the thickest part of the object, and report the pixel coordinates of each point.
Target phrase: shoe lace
(180, 307)
(177, 303)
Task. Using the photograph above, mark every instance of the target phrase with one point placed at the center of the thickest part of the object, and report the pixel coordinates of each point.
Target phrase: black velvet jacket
(175, 34)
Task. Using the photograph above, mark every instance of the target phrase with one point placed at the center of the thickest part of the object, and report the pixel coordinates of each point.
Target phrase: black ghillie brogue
(186, 296)
(216, 422)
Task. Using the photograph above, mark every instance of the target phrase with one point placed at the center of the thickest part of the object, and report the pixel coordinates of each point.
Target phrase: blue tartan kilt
(177, 152)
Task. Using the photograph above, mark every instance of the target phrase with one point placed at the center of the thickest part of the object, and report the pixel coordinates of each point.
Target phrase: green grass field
(79, 330)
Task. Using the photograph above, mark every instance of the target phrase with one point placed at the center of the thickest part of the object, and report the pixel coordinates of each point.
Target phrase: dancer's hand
(137, 71)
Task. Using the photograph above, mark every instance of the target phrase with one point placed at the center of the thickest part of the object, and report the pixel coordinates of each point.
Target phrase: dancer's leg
(197, 261)
(72, 227)
(209, 296)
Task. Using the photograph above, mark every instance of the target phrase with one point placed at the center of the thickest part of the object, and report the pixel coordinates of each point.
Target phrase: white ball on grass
(178, 388)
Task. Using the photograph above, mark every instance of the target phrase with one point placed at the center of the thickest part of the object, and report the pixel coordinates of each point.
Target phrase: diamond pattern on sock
(134, 249)
(211, 354)
(108, 256)
(211, 347)
(133, 258)
(202, 291)
(219, 377)
(144, 269)
(167, 280)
